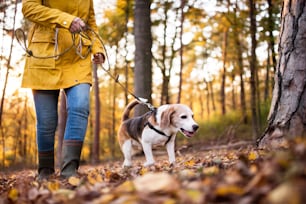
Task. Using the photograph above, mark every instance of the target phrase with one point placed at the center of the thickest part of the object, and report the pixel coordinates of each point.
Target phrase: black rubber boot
(45, 165)
(71, 153)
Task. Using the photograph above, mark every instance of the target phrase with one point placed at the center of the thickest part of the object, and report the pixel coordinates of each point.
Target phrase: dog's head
(181, 118)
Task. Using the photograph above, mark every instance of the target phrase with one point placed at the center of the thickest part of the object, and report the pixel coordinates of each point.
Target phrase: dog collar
(158, 131)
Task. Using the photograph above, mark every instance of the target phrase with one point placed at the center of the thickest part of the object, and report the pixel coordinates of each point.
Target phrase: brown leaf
(13, 194)
(156, 182)
(74, 181)
(226, 190)
(285, 193)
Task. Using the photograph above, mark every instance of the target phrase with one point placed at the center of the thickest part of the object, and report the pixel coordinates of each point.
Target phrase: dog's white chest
(151, 136)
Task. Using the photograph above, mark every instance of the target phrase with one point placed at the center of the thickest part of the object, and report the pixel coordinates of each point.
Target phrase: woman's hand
(77, 25)
(98, 58)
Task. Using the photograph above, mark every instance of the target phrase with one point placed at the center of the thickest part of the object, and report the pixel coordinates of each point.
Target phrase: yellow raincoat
(49, 36)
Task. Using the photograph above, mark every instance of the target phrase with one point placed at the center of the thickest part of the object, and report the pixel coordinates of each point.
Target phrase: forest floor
(233, 173)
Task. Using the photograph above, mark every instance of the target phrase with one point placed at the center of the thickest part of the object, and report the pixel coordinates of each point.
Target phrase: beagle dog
(159, 126)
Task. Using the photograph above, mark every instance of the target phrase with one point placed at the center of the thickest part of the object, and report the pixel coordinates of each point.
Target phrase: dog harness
(159, 132)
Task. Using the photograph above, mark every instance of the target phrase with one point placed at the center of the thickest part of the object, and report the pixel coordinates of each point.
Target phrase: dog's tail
(128, 109)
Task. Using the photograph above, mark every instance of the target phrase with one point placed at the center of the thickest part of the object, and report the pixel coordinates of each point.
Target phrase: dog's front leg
(147, 149)
(170, 150)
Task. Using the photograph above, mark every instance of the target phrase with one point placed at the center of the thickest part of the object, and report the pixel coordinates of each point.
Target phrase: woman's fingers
(77, 25)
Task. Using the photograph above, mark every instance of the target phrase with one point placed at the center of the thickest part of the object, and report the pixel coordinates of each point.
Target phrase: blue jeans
(46, 104)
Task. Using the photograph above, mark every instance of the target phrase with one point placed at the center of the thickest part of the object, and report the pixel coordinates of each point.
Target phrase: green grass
(229, 127)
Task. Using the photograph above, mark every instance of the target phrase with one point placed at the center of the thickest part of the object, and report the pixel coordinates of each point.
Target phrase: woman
(61, 41)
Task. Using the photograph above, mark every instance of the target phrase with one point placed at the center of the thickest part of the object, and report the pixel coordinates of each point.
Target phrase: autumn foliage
(219, 175)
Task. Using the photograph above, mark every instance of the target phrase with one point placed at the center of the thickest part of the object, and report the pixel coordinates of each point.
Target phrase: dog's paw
(173, 165)
(151, 167)
(127, 163)
(148, 164)
(126, 167)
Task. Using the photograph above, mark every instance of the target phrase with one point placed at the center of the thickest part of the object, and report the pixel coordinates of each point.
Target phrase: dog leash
(142, 101)
(20, 33)
(24, 46)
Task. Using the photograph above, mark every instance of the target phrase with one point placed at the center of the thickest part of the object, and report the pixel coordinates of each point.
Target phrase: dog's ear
(166, 115)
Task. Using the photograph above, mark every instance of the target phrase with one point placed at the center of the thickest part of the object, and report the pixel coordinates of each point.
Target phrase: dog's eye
(184, 116)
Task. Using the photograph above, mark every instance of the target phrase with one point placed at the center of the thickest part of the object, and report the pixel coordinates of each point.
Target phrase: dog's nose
(195, 127)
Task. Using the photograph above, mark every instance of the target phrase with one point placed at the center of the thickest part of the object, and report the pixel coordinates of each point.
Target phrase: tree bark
(267, 78)
(240, 66)
(62, 117)
(181, 52)
(126, 68)
(96, 140)
(143, 54)
(212, 95)
(287, 117)
(271, 37)
(253, 69)
(224, 56)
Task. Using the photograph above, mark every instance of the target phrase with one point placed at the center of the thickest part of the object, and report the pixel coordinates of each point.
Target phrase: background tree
(62, 117)
(96, 132)
(143, 54)
(183, 2)
(253, 69)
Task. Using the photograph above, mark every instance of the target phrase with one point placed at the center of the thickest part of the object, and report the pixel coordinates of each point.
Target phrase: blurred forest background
(218, 57)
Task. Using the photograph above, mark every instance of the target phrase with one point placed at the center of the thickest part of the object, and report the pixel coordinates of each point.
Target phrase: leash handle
(116, 78)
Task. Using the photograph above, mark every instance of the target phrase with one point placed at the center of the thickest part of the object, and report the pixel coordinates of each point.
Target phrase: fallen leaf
(195, 196)
(126, 187)
(143, 170)
(156, 182)
(226, 190)
(74, 181)
(104, 199)
(284, 193)
(13, 194)
(211, 170)
(253, 155)
(33, 193)
(68, 194)
(190, 163)
(53, 186)
(94, 177)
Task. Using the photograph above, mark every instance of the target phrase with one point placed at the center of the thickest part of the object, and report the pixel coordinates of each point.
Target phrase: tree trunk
(233, 92)
(271, 37)
(255, 125)
(62, 117)
(126, 68)
(165, 99)
(112, 136)
(267, 78)
(25, 127)
(143, 54)
(96, 139)
(207, 98)
(240, 66)
(181, 52)
(287, 119)
(212, 95)
(222, 94)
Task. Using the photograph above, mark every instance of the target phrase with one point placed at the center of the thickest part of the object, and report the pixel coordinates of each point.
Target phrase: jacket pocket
(42, 48)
